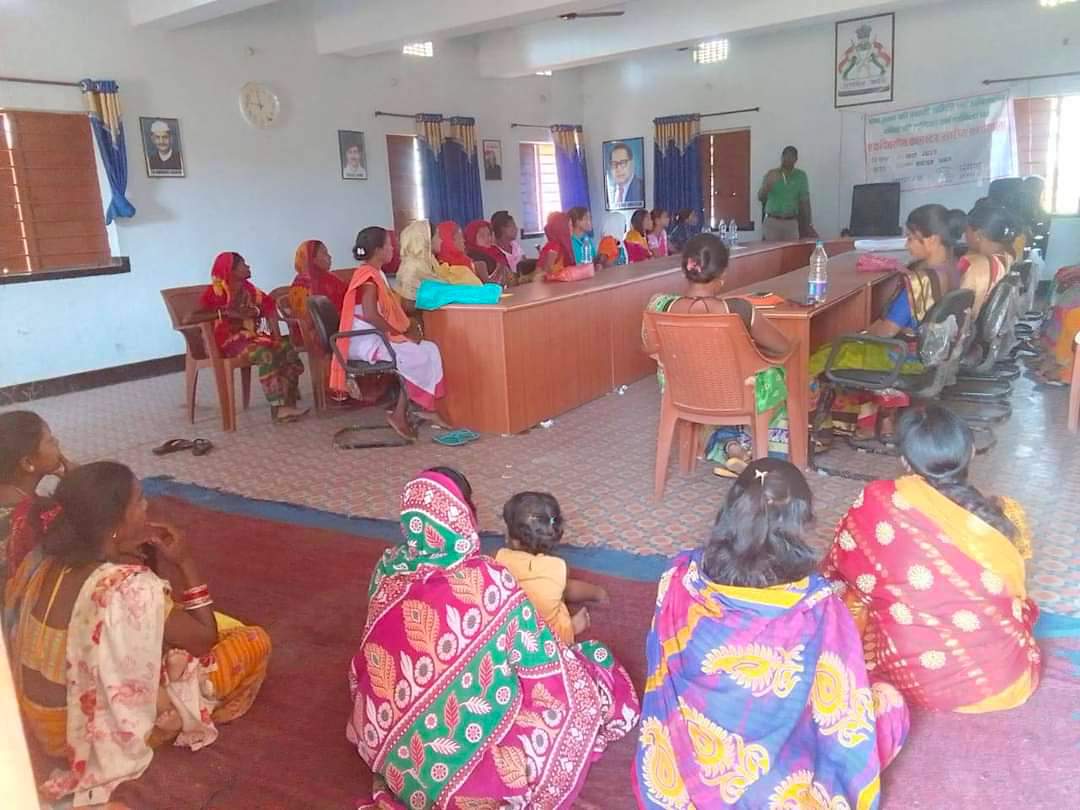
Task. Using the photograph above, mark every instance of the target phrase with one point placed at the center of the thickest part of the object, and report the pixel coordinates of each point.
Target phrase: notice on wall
(966, 140)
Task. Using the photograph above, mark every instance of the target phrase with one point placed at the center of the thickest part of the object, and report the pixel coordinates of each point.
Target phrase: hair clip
(760, 475)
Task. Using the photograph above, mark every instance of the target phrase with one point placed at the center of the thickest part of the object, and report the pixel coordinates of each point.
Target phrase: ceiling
(521, 37)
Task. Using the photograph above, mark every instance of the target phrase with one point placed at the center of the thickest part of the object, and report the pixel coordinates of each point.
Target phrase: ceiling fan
(587, 15)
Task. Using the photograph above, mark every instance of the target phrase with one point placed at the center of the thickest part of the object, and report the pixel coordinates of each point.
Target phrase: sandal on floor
(735, 465)
(173, 446)
(200, 447)
(724, 472)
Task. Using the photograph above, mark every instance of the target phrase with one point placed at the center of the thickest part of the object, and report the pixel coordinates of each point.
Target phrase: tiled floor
(598, 460)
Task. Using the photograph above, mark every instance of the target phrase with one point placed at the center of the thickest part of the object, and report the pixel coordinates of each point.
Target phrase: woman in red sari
(313, 277)
(933, 572)
(451, 243)
(239, 309)
(480, 243)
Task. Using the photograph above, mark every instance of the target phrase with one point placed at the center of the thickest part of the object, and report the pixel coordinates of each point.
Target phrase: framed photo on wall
(162, 148)
(624, 174)
(353, 155)
(492, 160)
(865, 60)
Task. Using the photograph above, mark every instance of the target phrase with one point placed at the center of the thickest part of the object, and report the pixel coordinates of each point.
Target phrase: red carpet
(307, 587)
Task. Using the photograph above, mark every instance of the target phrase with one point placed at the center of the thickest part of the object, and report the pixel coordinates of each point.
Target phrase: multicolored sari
(939, 596)
(758, 698)
(463, 698)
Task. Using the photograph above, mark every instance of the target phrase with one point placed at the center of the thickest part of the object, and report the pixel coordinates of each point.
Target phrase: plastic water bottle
(733, 232)
(723, 232)
(586, 251)
(818, 280)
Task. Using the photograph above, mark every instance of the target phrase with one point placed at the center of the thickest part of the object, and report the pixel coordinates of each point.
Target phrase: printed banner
(967, 140)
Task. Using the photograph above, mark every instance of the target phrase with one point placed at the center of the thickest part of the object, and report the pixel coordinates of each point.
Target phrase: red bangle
(198, 592)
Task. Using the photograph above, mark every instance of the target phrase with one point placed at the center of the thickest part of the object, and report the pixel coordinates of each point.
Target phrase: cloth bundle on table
(759, 698)
(275, 357)
(419, 263)
(419, 364)
(436, 294)
(109, 658)
(939, 597)
(462, 696)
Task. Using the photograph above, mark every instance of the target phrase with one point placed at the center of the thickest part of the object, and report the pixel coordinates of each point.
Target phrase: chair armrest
(357, 333)
(839, 343)
(213, 351)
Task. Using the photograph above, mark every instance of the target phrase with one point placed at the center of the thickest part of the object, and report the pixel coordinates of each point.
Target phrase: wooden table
(854, 300)
(546, 349)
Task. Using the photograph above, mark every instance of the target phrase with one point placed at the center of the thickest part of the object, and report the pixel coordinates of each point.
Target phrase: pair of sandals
(198, 447)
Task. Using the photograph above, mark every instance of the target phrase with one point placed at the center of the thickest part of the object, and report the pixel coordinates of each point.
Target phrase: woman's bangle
(196, 604)
(196, 592)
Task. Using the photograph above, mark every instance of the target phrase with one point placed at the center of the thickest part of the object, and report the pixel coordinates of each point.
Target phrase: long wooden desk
(854, 299)
(545, 349)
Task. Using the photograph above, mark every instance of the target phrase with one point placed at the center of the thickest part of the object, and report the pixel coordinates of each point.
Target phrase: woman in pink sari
(462, 696)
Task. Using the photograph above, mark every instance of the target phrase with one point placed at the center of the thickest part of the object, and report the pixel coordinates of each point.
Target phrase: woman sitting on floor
(757, 694)
(370, 304)
(28, 453)
(462, 696)
(418, 248)
(704, 261)
(87, 620)
(480, 244)
(934, 575)
(313, 277)
(637, 241)
(239, 308)
(991, 231)
(932, 235)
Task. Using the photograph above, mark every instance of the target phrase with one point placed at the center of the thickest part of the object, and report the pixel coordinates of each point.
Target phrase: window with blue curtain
(677, 169)
(570, 163)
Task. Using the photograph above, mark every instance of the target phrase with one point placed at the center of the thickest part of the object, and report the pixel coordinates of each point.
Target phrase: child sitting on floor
(534, 525)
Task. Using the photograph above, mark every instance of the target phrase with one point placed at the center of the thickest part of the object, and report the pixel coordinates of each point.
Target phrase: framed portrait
(864, 61)
(624, 174)
(492, 160)
(163, 151)
(353, 155)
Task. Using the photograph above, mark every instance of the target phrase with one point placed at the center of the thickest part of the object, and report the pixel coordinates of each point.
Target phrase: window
(539, 186)
(51, 216)
(1047, 131)
(725, 176)
(406, 179)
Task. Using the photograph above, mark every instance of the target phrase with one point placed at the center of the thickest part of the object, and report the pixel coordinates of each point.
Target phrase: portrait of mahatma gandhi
(161, 146)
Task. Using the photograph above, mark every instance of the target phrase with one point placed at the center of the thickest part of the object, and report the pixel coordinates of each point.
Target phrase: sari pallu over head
(496, 256)
(219, 296)
(448, 251)
(462, 696)
(759, 698)
(312, 280)
(941, 597)
(560, 242)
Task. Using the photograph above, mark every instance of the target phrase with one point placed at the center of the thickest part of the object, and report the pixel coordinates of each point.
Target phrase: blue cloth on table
(435, 294)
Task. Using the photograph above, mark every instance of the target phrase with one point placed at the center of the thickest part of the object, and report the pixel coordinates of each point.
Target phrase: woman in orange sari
(371, 304)
(933, 572)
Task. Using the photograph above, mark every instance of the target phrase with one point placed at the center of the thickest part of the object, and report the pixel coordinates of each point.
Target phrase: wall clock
(259, 105)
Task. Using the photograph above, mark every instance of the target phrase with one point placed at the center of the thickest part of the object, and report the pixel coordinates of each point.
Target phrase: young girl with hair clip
(534, 526)
(750, 649)
(933, 571)
(704, 261)
(370, 304)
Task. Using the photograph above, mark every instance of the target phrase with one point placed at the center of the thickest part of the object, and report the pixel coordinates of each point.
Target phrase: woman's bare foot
(580, 621)
(401, 426)
(169, 722)
(285, 413)
(175, 663)
(432, 417)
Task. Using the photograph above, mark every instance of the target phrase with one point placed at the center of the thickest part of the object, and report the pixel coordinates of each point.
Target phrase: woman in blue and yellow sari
(757, 693)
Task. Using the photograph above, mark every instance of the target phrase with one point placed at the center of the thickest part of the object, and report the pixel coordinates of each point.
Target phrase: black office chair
(875, 210)
(325, 321)
(942, 335)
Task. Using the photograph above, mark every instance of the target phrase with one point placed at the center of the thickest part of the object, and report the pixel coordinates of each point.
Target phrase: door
(725, 176)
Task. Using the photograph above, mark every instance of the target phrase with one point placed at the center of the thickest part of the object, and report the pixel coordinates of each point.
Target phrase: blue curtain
(429, 131)
(570, 164)
(103, 104)
(677, 165)
(461, 167)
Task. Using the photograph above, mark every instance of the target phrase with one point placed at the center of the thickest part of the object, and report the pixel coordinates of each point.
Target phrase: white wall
(942, 51)
(256, 192)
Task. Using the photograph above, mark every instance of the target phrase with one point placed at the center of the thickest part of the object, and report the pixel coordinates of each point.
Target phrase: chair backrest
(709, 361)
(324, 318)
(946, 328)
(875, 209)
(182, 302)
(998, 310)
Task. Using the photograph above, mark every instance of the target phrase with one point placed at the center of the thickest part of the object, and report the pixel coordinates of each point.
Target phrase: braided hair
(535, 520)
(938, 446)
(758, 540)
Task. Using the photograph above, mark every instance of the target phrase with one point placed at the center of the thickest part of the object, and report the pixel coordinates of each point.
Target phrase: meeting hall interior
(543, 404)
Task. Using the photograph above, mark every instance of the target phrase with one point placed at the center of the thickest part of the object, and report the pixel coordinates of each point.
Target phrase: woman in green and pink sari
(462, 696)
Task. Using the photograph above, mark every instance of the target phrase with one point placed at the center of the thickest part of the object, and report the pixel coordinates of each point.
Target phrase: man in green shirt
(786, 195)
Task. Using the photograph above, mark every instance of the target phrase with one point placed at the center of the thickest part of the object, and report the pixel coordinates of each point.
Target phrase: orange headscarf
(389, 308)
(448, 252)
